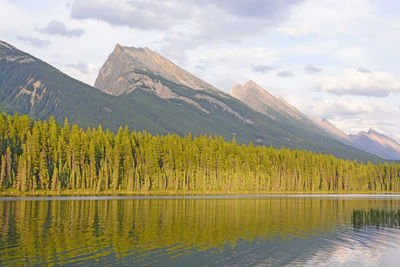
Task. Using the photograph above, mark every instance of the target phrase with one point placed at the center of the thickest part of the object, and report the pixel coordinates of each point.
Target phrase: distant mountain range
(144, 90)
(371, 141)
(260, 100)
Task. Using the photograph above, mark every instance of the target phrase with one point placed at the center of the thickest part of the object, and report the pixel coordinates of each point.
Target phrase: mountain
(125, 59)
(140, 88)
(260, 100)
(371, 141)
(331, 129)
(131, 73)
(33, 87)
(280, 111)
(377, 143)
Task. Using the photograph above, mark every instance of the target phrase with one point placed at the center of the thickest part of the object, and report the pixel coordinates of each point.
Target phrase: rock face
(34, 89)
(132, 64)
(128, 69)
(260, 100)
(371, 141)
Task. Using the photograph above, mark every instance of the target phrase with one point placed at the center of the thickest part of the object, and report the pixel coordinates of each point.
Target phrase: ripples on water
(197, 231)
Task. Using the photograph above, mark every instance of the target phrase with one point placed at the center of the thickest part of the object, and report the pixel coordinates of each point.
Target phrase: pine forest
(42, 156)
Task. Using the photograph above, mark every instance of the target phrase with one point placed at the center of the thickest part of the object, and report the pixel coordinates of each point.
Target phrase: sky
(332, 59)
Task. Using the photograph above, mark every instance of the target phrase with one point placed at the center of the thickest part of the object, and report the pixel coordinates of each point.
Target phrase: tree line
(42, 155)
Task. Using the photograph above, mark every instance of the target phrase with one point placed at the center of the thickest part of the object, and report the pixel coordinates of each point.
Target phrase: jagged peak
(130, 49)
(247, 87)
(127, 59)
(251, 83)
(370, 132)
(262, 101)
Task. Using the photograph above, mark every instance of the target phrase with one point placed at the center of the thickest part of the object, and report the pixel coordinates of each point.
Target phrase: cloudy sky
(332, 59)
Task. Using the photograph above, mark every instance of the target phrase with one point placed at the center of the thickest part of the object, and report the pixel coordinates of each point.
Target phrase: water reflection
(375, 218)
(269, 231)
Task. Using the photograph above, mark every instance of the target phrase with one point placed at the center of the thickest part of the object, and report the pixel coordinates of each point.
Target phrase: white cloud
(363, 70)
(354, 56)
(294, 31)
(36, 42)
(396, 25)
(80, 66)
(262, 68)
(285, 74)
(55, 27)
(144, 15)
(187, 24)
(311, 69)
(354, 82)
(326, 18)
(228, 66)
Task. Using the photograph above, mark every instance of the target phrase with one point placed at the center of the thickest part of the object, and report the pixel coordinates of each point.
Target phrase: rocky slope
(260, 100)
(331, 129)
(122, 63)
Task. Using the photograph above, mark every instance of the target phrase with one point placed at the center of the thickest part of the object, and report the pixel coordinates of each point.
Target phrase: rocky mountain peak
(125, 60)
(253, 85)
(260, 100)
(249, 87)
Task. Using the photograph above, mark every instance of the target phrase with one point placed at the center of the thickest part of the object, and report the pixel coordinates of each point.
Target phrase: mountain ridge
(262, 101)
(372, 141)
(129, 71)
(53, 93)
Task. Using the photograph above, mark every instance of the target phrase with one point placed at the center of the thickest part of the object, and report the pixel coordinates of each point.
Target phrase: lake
(260, 230)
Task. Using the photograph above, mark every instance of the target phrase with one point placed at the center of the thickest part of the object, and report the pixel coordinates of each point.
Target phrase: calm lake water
(298, 230)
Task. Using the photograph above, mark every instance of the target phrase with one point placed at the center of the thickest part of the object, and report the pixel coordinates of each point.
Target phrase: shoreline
(123, 193)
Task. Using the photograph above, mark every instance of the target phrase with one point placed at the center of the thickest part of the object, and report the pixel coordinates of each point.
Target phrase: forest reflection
(379, 218)
(56, 231)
